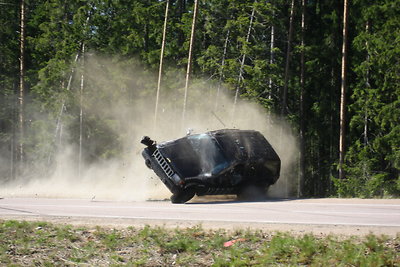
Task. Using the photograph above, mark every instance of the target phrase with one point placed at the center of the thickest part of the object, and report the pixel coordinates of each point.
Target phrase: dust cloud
(124, 96)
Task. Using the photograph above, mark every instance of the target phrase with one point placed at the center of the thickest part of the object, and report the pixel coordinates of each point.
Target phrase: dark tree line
(285, 55)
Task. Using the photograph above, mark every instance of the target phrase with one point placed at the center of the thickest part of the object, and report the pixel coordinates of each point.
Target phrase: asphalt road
(345, 216)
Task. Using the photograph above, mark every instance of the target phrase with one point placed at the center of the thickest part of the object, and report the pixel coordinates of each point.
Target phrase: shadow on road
(210, 200)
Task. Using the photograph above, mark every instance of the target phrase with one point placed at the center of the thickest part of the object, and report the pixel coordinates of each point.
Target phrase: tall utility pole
(161, 63)
(21, 86)
(189, 64)
(342, 133)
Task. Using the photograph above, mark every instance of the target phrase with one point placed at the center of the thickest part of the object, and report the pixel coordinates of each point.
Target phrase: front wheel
(182, 196)
(148, 163)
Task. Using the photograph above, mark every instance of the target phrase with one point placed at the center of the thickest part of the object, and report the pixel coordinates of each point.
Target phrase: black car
(227, 161)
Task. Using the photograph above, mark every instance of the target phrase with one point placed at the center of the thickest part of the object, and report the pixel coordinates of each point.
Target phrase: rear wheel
(182, 196)
(253, 192)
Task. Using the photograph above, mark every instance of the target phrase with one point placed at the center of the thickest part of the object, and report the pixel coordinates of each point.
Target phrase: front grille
(163, 163)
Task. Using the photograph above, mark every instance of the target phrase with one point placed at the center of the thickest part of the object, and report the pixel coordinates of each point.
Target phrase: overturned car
(227, 161)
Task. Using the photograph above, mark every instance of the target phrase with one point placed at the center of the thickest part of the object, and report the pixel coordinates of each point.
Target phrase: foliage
(374, 155)
(68, 42)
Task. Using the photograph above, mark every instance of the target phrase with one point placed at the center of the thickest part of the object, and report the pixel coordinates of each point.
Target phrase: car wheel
(148, 163)
(252, 192)
(182, 196)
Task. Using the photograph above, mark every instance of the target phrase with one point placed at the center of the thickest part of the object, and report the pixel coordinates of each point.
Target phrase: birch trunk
(240, 76)
(287, 64)
(366, 118)
(342, 133)
(161, 64)
(367, 85)
(81, 112)
(271, 59)
(221, 73)
(302, 91)
(58, 131)
(59, 118)
(13, 140)
(21, 86)
(189, 65)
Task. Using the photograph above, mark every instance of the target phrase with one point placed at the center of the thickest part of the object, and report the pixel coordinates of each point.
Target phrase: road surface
(324, 216)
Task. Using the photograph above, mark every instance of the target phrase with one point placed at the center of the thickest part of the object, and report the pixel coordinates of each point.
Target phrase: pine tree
(9, 55)
(373, 156)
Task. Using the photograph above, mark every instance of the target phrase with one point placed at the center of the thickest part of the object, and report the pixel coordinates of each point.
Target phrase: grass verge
(45, 244)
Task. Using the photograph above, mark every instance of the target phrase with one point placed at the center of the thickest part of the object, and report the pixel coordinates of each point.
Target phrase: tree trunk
(221, 73)
(189, 64)
(302, 92)
(368, 86)
(287, 64)
(161, 63)
(240, 76)
(342, 133)
(366, 118)
(13, 139)
(271, 59)
(286, 79)
(81, 112)
(21, 87)
(58, 131)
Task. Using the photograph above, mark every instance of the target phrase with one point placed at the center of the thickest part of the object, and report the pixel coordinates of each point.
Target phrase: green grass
(45, 244)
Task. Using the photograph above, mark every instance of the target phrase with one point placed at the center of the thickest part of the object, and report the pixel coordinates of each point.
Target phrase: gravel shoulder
(294, 229)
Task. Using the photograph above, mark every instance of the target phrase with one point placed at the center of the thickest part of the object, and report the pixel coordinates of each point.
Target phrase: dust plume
(119, 104)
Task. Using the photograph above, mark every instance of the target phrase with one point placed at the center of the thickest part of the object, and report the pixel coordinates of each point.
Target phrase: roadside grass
(45, 244)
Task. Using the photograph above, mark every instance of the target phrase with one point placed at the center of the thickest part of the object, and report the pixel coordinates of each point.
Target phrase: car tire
(253, 192)
(148, 163)
(182, 196)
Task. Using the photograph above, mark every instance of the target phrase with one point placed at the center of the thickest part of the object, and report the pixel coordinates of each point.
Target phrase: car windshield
(195, 155)
(211, 158)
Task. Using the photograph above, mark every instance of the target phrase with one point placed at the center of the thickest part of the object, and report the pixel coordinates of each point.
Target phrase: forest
(85, 75)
